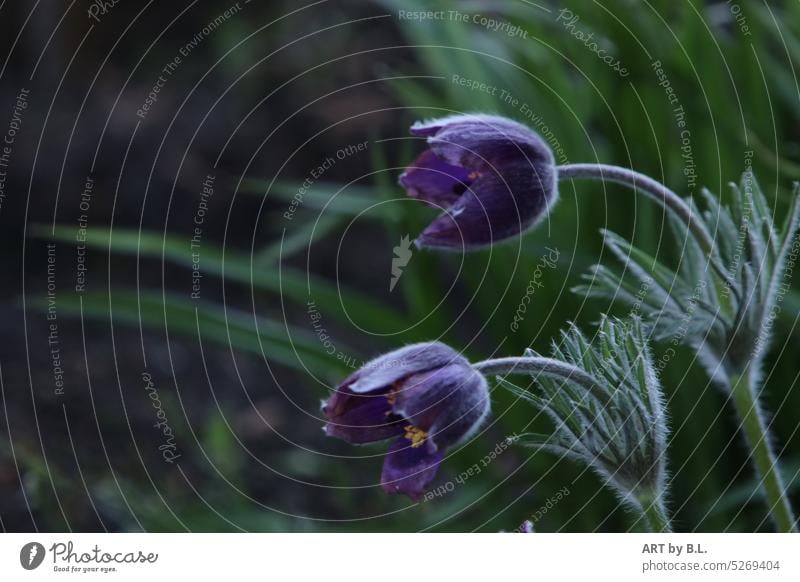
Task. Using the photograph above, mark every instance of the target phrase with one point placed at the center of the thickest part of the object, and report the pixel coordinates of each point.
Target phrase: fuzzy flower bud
(494, 178)
(425, 397)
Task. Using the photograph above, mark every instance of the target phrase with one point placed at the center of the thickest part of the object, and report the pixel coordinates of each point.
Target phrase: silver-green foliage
(728, 322)
(619, 427)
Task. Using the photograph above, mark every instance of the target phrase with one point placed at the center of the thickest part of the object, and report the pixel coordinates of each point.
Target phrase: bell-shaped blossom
(494, 178)
(425, 397)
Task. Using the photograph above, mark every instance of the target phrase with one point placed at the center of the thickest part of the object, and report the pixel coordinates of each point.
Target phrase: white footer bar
(401, 557)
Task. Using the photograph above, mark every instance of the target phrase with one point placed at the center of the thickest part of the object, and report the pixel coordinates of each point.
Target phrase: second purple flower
(425, 397)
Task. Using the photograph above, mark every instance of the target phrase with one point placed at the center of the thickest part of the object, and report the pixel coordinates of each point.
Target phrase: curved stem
(651, 504)
(757, 435)
(650, 187)
(532, 364)
(656, 191)
(647, 185)
(538, 365)
(655, 514)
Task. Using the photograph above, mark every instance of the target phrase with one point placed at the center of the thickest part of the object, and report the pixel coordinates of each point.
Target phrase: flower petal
(433, 180)
(498, 206)
(516, 180)
(409, 470)
(448, 403)
(360, 418)
(427, 128)
(387, 369)
(481, 142)
(465, 413)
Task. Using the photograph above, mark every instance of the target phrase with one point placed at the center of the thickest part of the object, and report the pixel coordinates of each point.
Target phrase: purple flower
(494, 178)
(426, 397)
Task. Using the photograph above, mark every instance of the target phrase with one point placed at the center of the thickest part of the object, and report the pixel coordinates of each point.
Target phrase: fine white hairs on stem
(606, 405)
(727, 319)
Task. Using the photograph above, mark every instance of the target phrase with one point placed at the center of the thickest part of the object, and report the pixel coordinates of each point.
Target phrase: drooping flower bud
(425, 395)
(494, 178)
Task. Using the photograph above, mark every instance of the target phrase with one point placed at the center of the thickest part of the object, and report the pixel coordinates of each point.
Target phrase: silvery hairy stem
(654, 190)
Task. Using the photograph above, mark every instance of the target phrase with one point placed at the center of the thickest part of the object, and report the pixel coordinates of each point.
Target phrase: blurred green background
(241, 371)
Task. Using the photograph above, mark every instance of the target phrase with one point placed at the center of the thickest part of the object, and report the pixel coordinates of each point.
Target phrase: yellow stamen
(391, 396)
(416, 435)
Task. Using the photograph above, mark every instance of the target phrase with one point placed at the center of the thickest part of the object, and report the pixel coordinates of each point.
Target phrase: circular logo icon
(31, 555)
